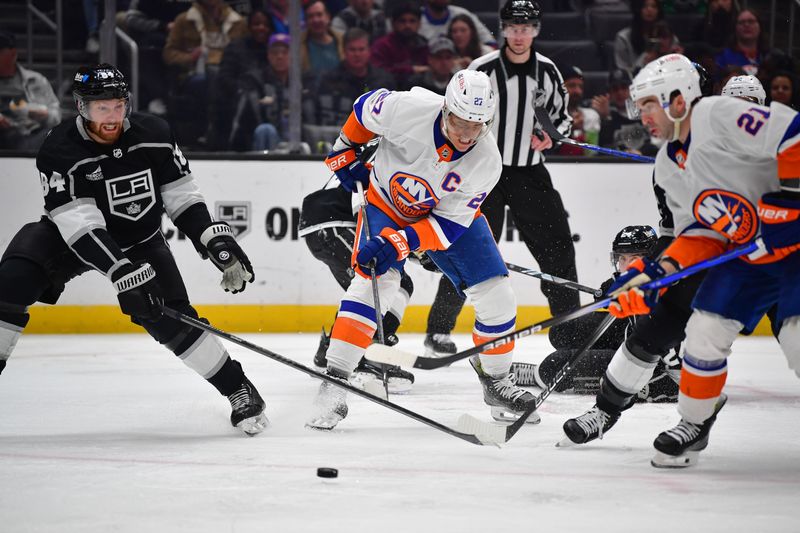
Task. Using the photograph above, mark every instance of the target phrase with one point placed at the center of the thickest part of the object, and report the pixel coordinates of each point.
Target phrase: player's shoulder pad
(62, 147)
(149, 128)
(482, 62)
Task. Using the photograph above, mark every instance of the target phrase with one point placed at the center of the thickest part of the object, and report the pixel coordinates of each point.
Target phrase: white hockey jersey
(417, 175)
(730, 160)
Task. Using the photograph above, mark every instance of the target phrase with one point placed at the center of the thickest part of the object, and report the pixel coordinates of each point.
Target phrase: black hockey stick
(554, 279)
(469, 429)
(512, 429)
(544, 120)
(394, 356)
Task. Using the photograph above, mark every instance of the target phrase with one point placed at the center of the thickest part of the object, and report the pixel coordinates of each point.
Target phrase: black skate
(505, 399)
(398, 380)
(589, 426)
(526, 374)
(330, 407)
(320, 360)
(247, 412)
(680, 446)
(439, 345)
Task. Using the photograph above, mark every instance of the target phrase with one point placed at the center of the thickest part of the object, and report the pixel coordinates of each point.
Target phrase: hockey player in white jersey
(740, 181)
(436, 162)
(747, 88)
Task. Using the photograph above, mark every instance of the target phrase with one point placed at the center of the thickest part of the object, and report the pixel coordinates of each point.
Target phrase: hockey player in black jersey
(631, 243)
(106, 177)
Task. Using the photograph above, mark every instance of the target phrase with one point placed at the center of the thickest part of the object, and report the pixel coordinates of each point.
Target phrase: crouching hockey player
(741, 181)
(106, 177)
(630, 244)
(328, 225)
(435, 164)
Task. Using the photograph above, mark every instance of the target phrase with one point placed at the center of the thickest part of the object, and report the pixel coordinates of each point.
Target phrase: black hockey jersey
(106, 198)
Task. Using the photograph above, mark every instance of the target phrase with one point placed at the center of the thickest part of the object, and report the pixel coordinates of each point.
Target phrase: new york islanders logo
(727, 213)
(411, 195)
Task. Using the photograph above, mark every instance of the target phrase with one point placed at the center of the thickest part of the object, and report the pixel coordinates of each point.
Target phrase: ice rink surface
(104, 433)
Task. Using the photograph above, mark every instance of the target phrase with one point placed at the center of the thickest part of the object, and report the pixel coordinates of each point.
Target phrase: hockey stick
(544, 119)
(554, 279)
(469, 428)
(373, 278)
(393, 356)
(512, 429)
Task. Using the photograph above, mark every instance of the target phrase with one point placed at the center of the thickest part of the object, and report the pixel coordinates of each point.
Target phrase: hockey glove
(228, 256)
(348, 168)
(630, 299)
(137, 291)
(383, 251)
(780, 222)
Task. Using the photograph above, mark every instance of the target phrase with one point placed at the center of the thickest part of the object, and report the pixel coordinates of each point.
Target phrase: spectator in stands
(403, 52)
(631, 43)
(437, 16)
(718, 24)
(616, 129)
(747, 46)
(585, 120)
(262, 104)
(685, 6)
(279, 11)
(148, 22)
(91, 18)
(361, 14)
(194, 48)
(782, 87)
(442, 60)
(321, 46)
(28, 105)
(662, 42)
(337, 89)
(464, 35)
(240, 56)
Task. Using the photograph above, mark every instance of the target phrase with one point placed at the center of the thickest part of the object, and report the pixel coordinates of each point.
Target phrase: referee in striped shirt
(521, 77)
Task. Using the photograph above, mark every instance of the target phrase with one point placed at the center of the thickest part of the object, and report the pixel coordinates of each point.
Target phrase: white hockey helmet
(470, 96)
(661, 78)
(747, 87)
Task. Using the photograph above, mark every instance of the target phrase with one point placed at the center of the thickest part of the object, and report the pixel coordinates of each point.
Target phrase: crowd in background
(219, 70)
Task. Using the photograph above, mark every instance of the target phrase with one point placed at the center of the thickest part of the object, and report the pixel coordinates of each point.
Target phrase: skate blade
(509, 417)
(566, 442)
(254, 425)
(662, 460)
(324, 423)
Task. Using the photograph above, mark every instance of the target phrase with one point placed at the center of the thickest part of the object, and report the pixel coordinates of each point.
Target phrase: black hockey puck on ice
(327, 472)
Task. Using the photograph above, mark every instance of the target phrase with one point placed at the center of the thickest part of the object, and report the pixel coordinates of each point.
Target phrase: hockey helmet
(637, 240)
(662, 78)
(706, 83)
(522, 12)
(99, 82)
(469, 96)
(747, 87)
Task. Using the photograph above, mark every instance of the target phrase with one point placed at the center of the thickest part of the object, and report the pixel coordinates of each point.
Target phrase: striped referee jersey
(514, 118)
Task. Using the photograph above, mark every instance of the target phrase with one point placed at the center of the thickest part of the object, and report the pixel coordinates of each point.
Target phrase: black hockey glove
(137, 291)
(228, 256)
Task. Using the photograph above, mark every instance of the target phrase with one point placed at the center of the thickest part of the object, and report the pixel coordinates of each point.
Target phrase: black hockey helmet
(638, 240)
(99, 82)
(521, 12)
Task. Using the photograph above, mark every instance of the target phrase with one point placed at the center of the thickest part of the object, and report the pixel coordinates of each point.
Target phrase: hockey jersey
(106, 198)
(736, 152)
(418, 176)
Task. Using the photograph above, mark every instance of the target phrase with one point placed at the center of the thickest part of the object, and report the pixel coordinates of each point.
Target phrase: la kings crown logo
(236, 214)
(131, 197)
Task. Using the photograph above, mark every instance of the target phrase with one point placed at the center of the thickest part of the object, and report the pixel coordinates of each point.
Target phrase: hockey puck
(327, 472)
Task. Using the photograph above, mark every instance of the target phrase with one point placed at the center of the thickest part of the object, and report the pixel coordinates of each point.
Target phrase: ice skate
(398, 380)
(330, 407)
(680, 446)
(247, 412)
(589, 426)
(505, 399)
(525, 374)
(320, 359)
(439, 345)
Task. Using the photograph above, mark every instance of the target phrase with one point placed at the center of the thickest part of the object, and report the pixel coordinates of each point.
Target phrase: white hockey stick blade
(486, 432)
(376, 388)
(390, 356)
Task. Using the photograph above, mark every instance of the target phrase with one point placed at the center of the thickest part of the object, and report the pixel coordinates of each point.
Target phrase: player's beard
(102, 132)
